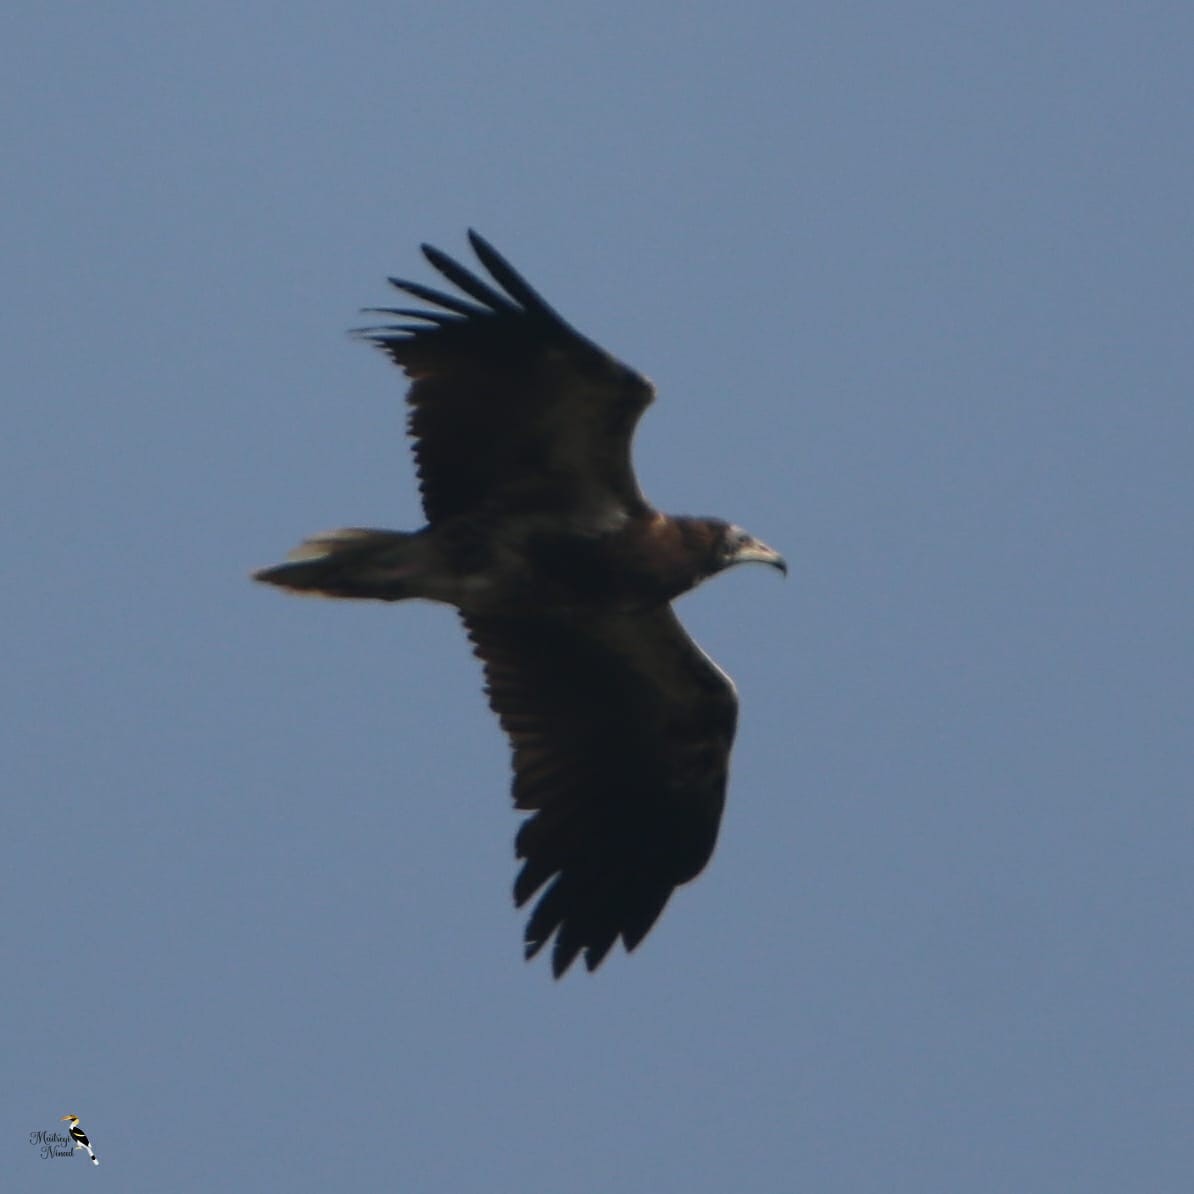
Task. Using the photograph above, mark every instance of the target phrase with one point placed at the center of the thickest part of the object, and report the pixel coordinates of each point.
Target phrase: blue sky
(913, 282)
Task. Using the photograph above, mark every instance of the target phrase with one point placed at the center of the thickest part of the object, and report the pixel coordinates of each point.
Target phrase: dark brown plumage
(538, 534)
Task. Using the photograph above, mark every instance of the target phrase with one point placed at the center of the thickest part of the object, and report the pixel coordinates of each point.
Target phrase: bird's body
(503, 567)
(77, 1134)
(563, 575)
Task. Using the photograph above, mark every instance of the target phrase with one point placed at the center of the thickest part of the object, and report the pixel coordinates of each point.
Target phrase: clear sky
(914, 284)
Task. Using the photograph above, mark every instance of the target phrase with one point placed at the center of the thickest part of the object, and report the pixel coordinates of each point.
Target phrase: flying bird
(563, 575)
(77, 1134)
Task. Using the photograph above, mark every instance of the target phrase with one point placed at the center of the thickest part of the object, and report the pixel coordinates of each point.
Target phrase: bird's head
(736, 546)
(73, 1118)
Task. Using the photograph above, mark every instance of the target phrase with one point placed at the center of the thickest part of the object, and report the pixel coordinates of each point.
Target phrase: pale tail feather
(353, 562)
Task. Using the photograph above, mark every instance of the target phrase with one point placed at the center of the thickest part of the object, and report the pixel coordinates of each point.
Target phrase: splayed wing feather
(430, 295)
(467, 281)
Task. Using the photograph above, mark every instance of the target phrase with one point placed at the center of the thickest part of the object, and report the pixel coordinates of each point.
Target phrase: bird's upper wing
(621, 729)
(511, 409)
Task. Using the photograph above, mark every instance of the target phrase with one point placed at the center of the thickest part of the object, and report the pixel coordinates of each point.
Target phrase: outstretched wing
(621, 729)
(511, 409)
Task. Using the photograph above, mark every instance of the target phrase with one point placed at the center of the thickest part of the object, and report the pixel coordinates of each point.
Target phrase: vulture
(563, 575)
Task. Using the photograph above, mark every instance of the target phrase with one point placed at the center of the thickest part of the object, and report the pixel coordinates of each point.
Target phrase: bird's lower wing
(621, 730)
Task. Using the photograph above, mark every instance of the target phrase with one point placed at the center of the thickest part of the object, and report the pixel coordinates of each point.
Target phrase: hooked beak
(756, 552)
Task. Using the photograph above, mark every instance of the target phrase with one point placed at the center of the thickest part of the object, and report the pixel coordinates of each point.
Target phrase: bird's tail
(354, 562)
